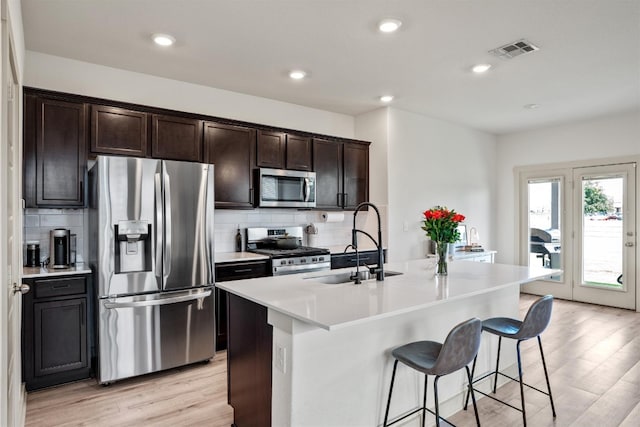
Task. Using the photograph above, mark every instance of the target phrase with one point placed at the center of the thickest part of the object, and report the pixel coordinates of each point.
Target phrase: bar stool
(432, 358)
(534, 323)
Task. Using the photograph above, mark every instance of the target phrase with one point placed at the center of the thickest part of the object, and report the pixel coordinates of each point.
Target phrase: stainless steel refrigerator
(151, 251)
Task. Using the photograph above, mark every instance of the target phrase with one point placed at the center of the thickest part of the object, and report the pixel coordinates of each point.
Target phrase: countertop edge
(29, 273)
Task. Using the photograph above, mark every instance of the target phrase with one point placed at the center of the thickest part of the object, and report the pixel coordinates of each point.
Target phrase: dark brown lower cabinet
(349, 259)
(224, 273)
(249, 362)
(55, 331)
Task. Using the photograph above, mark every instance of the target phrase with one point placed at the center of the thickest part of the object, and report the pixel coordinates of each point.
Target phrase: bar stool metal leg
(470, 389)
(473, 397)
(495, 381)
(393, 378)
(424, 401)
(524, 411)
(435, 395)
(546, 376)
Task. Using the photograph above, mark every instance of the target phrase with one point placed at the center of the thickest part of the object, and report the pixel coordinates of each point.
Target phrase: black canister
(33, 254)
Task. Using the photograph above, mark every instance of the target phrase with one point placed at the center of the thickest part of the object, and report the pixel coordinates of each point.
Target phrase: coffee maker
(60, 248)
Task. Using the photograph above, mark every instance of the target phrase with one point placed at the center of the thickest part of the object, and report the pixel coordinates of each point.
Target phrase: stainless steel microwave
(279, 188)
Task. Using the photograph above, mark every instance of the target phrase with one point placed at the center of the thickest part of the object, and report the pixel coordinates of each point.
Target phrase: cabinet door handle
(82, 314)
(251, 196)
(242, 270)
(338, 200)
(345, 199)
(67, 285)
(81, 191)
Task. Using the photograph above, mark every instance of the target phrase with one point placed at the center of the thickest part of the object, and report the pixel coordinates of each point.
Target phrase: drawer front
(241, 270)
(349, 260)
(60, 287)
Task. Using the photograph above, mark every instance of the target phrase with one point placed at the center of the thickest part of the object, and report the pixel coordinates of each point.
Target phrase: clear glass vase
(442, 249)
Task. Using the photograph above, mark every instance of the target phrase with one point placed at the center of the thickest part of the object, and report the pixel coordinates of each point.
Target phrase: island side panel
(249, 362)
(341, 377)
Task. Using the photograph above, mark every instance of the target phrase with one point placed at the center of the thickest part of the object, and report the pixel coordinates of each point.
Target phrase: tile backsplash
(329, 233)
(39, 222)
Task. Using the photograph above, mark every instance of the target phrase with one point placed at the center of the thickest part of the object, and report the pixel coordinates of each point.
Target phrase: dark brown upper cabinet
(232, 150)
(55, 152)
(118, 131)
(176, 138)
(342, 173)
(271, 149)
(298, 153)
(355, 161)
(327, 164)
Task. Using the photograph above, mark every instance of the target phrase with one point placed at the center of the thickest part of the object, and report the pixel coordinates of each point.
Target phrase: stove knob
(290, 261)
(321, 258)
(302, 261)
(314, 259)
(283, 262)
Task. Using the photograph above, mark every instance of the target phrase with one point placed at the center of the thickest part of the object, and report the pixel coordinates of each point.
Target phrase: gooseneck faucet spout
(379, 269)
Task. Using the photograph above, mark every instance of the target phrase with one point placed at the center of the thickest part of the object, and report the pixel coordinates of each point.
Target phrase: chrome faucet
(379, 269)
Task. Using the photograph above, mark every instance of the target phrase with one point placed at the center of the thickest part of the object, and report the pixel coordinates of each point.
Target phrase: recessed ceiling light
(531, 106)
(480, 68)
(389, 25)
(386, 98)
(297, 74)
(163, 39)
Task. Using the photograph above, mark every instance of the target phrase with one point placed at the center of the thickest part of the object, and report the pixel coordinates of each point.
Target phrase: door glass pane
(545, 223)
(602, 231)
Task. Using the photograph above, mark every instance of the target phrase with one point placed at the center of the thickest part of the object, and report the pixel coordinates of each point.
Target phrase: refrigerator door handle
(167, 225)
(158, 227)
(158, 301)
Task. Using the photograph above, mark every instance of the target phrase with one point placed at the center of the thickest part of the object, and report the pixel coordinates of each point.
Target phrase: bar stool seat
(535, 322)
(433, 358)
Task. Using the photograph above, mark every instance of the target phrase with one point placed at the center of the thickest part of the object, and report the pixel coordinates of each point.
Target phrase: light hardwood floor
(592, 352)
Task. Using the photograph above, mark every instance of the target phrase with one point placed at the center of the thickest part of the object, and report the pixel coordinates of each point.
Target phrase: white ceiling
(588, 63)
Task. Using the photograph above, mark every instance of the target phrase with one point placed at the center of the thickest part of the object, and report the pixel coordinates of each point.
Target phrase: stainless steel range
(284, 246)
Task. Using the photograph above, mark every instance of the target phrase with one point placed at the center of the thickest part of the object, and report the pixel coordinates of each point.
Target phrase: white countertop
(226, 257)
(30, 272)
(336, 306)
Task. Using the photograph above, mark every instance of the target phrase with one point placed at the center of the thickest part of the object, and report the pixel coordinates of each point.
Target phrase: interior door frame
(522, 237)
(13, 395)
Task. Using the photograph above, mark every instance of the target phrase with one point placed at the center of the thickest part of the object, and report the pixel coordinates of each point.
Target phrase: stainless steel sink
(336, 279)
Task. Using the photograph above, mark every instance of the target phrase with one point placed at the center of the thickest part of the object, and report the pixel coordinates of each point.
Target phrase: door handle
(629, 244)
(158, 301)
(23, 288)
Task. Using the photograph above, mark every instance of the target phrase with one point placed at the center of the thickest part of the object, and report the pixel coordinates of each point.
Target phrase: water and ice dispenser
(132, 246)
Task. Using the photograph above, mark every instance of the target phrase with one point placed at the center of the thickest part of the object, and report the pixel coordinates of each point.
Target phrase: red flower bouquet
(441, 225)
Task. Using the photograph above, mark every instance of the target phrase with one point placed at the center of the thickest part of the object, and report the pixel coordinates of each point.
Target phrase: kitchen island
(318, 354)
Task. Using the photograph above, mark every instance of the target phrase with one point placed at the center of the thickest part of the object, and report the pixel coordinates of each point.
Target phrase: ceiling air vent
(514, 49)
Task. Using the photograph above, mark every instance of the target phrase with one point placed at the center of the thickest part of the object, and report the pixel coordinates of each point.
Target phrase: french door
(605, 235)
(581, 220)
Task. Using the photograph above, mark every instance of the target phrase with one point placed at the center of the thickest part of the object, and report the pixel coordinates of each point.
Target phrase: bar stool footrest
(407, 415)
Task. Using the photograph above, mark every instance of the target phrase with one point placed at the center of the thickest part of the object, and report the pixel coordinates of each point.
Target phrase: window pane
(545, 224)
(602, 237)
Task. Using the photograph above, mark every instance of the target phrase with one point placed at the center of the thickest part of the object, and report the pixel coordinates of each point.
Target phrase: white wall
(434, 162)
(83, 78)
(17, 34)
(374, 126)
(605, 137)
